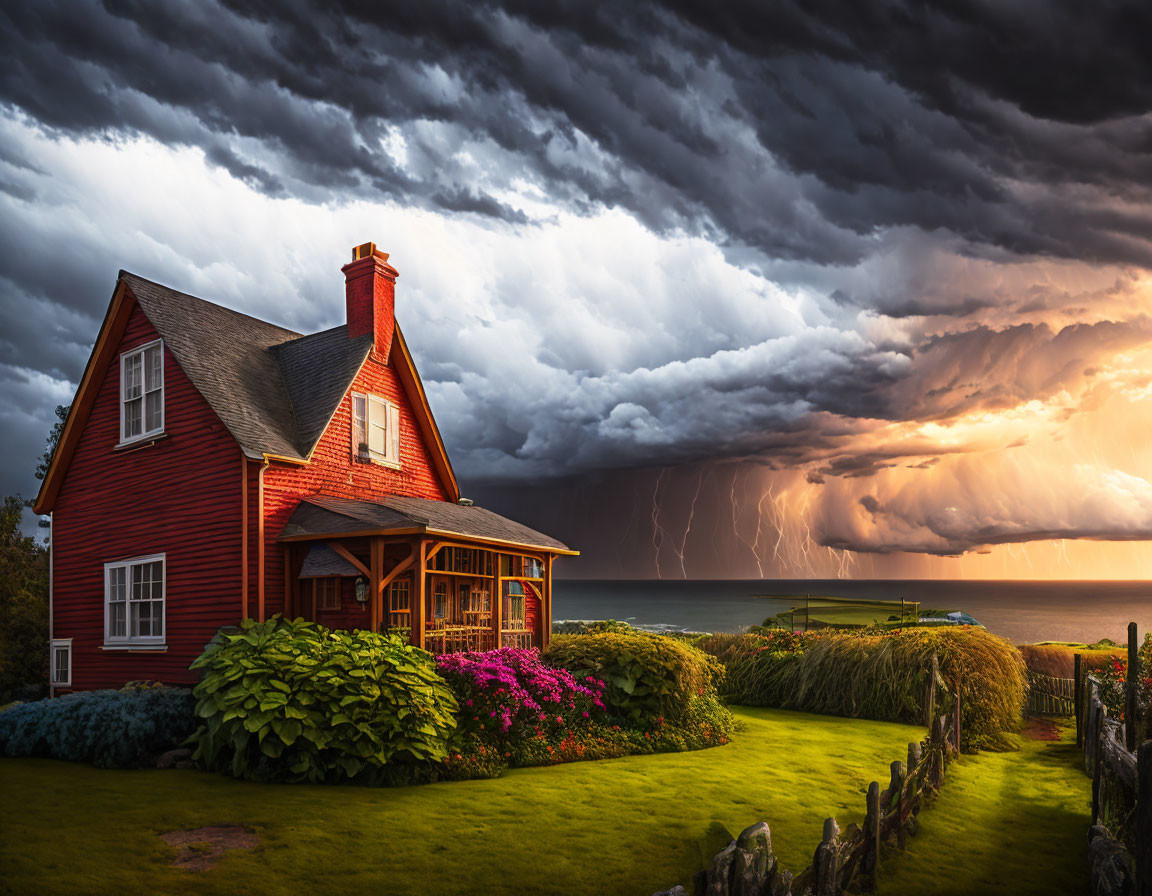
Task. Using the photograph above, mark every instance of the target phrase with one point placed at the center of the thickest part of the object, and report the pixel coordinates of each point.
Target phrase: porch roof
(323, 562)
(319, 516)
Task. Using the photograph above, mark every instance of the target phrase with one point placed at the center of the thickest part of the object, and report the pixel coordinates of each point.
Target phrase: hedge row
(108, 729)
(881, 676)
(292, 701)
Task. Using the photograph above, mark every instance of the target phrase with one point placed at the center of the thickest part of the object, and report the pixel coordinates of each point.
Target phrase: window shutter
(393, 433)
(359, 424)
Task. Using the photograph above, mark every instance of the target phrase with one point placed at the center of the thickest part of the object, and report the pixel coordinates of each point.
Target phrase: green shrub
(646, 676)
(884, 677)
(108, 729)
(706, 723)
(294, 701)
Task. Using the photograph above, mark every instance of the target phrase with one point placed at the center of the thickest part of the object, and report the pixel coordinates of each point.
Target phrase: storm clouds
(888, 261)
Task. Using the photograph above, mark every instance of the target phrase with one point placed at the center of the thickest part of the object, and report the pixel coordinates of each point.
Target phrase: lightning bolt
(688, 527)
(736, 531)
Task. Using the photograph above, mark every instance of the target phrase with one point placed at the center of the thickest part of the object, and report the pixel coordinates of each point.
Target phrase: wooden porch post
(497, 601)
(376, 561)
(419, 601)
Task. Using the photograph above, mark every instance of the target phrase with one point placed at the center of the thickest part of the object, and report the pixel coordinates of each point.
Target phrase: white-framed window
(142, 392)
(375, 430)
(62, 662)
(134, 602)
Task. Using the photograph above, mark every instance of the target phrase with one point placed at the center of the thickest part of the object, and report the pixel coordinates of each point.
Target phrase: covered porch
(449, 577)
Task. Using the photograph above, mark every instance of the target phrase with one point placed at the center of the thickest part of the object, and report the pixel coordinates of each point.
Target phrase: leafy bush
(707, 724)
(884, 677)
(294, 701)
(646, 676)
(1113, 677)
(109, 729)
(509, 694)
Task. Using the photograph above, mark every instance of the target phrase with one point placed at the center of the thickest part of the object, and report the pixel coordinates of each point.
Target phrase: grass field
(624, 826)
(818, 612)
(1005, 823)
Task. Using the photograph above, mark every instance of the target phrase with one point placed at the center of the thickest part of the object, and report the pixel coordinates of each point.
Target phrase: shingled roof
(319, 515)
(274, 389)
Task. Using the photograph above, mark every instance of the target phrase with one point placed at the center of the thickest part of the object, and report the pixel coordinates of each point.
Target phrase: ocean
(1019, 610)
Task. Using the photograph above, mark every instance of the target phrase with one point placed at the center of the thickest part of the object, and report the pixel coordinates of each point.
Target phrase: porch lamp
(361, 589)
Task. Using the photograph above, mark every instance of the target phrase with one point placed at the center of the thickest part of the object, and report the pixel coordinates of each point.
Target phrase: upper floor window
(134, 601)
(142, 392)
(375, 430)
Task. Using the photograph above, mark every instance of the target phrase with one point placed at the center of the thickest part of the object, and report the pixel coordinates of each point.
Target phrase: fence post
(872, 836)
(1131, 703)
(896, 797)
(1143, 857)
(824, 869)
(930, 698)
(956, 722)
(939, 752)
(1077, 693)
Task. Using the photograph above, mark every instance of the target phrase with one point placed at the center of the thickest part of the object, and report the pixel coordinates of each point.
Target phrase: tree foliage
(23, 608)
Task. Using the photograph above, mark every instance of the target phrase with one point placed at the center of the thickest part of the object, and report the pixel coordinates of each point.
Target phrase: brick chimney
(370, 293)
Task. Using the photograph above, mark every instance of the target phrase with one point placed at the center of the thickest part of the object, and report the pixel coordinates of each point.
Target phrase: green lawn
(623, 826)
(1005, 823)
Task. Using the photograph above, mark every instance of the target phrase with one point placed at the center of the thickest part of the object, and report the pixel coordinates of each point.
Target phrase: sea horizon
(1023, 610)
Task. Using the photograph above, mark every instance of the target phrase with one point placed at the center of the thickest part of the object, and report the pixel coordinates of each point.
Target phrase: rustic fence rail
(1121, 834)
(1048, 696)
(848, 859)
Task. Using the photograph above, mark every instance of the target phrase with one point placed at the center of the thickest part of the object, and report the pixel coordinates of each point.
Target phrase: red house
(215, 467)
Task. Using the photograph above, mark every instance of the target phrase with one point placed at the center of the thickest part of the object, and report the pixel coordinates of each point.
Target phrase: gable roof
(318, 370)
(227, 356)
(317, 516)
(274, 390)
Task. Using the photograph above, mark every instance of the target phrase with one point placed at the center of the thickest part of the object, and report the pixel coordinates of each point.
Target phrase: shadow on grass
(1011, 823)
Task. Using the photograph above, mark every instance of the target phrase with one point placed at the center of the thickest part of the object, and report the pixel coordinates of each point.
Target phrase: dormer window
(142, 392)
(375, 430)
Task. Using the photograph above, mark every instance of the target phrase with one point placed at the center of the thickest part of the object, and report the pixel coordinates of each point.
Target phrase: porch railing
(459, 638)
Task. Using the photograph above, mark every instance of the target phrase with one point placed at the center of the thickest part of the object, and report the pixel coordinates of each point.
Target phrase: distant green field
(825, 612)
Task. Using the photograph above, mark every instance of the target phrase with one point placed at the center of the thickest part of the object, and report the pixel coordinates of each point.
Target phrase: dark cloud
(859, 208)
(800, 130)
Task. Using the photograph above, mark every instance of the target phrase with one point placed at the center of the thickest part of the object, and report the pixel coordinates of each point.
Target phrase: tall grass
(883, 677)
(1057, 659)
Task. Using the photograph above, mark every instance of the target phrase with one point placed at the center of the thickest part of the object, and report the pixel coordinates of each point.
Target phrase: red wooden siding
(333, 472)
(180, 496)
(350, 616)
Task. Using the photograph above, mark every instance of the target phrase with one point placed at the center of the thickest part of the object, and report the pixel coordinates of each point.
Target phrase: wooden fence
(1048, 696)
(1121, 773)
(849, 859)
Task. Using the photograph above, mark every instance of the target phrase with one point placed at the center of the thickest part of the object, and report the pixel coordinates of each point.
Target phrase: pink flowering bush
(510, 695)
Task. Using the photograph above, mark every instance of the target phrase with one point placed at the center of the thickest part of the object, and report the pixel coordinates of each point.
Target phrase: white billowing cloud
(577, 342)
(970, 502)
